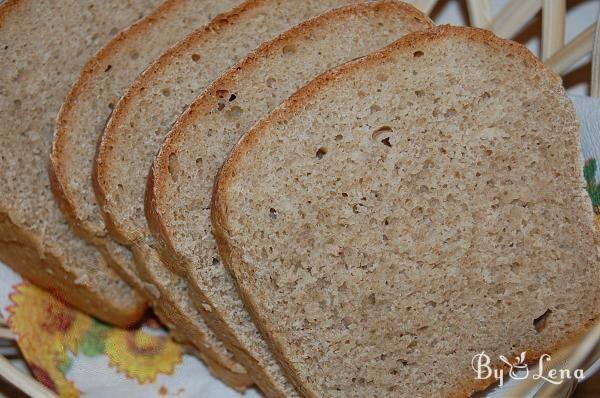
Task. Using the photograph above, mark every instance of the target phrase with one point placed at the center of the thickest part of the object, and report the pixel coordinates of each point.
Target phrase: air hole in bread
(383, 130)
(199, 161)
(419, 93)
(346, 322)
(232, 97)
(321, 152)
(17, 103)
(270, 82)
(450, 112)
(540, 322)
(323, 283)
(357, 207)
(375, 108)
(416, 212)
(166, 92)
(339, 137)
(382, 134)
(371, 298)
(234, 113)
(109, 67)
(111, 105)
(222, 97)
(215, 261)
(273, 213)
(173, 166)
(289, 49)
(195, 57)
(418, 54)
(222, 93)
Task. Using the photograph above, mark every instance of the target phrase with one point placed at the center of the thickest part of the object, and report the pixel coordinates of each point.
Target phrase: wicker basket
(508, 22)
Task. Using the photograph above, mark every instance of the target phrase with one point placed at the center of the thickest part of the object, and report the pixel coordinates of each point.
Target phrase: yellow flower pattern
(142, 355)
(50, 334)
(46, 331)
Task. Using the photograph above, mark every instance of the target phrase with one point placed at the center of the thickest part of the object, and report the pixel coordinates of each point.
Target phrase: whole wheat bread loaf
(411, 209)
(143, 116)
(180, 188)
(44, 45)
(88, 105)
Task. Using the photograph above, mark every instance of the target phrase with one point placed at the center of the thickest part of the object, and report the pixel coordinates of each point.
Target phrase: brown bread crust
(20, 250)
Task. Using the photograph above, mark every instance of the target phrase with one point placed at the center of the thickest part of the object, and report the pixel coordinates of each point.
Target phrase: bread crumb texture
(406, 211)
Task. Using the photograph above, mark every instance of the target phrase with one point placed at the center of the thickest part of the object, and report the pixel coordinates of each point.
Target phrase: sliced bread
(149, 107)
(147, 110)
(180, 186)
(172, 305)
(408, 210)
(79, 124)
(88, 105)
(44, 45)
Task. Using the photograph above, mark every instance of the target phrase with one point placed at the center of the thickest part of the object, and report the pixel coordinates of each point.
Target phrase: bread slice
(89, 103)
(180, 185)
(44, 45)
(408, 210)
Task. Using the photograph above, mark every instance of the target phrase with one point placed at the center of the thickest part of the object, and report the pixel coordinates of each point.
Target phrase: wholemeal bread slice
(411, 209)
(44, 45)
(89, 104)
(180, 185)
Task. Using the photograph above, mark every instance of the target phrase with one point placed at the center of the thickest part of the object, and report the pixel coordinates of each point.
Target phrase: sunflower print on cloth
(50, 335)
(142, 354)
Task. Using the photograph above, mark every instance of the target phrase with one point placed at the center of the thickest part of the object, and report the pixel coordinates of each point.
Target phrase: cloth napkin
(77, 356)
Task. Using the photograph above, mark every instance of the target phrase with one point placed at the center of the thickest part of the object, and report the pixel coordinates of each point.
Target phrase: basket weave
(511, 19)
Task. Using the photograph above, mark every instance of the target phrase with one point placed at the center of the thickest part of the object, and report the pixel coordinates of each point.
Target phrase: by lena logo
(519, 369)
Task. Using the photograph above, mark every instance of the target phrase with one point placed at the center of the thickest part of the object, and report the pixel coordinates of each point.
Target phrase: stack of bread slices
(321, 197)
